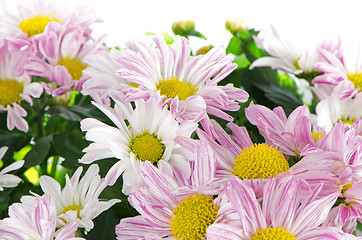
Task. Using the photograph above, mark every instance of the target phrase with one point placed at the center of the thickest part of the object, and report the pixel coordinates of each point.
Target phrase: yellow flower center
(73, 208)
(259, 161)
(192, 216)
(36, 24)
(317, 135)
(173, 87)
(356, 79)
(74, 66)
(147, 147)
(348, 120)
(10, 91)
(273, 234)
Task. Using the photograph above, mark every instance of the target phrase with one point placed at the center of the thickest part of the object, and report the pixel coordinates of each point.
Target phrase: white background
(302, 21)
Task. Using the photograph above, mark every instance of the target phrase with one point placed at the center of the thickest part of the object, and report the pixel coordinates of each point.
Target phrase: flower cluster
(223, 143)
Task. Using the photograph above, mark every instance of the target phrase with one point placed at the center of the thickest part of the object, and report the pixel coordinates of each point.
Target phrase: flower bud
(182, 27)
(203, 50)
(235, 25)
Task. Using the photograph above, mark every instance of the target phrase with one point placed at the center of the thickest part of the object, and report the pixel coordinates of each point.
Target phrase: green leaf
(69, 146)
(193, 33)
(73, 113)
(39, 152)
(242, 61)
(234, 46)
(104, 227)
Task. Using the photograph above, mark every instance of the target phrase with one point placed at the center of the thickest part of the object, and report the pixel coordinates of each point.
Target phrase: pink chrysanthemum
(35, 222)
(283, 214)
(146, 132)
(346, 71)
(255, 163)
(290, 135)
(15, 85)
(34, 17)
(61, 59)
(187, 84)
(173, 212)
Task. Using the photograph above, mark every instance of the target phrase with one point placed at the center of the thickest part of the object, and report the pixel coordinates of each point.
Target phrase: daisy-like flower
(35, 222)
(144, 133)
(78, 201)
(61, 59)
(9, 180)
(284, 213)
(32, 18)
(100, 78)
(288, 57)
(187, 84)
(15, 85)
(332, 109)
(343, 147)
(290, 135)
(255, 163)
(170, 211)
(346, 71)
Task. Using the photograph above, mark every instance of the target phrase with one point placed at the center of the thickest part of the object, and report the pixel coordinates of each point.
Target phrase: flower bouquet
(257, 139)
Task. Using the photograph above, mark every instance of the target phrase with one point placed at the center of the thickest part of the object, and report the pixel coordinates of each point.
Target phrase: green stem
(54, 166)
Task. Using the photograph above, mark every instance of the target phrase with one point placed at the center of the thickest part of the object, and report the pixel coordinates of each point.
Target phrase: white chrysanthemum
(78, 200)
(100, 77)
(144, 133)
(9, 180)
(332, 109)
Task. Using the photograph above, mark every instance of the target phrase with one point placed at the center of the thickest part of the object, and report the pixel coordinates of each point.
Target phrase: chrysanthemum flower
(35, 222)
(343, 147)
(15, 85)
(168, 211)
(78, 201)
(100, 78)
(346, 71)
(34, 17)
(255, 163)
(290, 135)
(288, 57)
(144, 133)
(9, 180)
(332, 109)
(187, 84)
(61, 59)
(283, 214)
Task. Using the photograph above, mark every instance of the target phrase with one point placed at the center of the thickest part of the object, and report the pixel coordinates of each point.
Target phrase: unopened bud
(62, 99)
(203, 50)
(235, 25)
(182, 27)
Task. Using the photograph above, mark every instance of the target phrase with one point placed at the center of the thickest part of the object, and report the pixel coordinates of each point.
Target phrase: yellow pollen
(273, 234)
(348, 120)
(174, 87)
(36, 24)
(74, 66)
(147, 147)
(346, 187)
(259, 161)
(10, 91)
(72, 207)
(317, 135)
(356, 79)
(192, 216)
